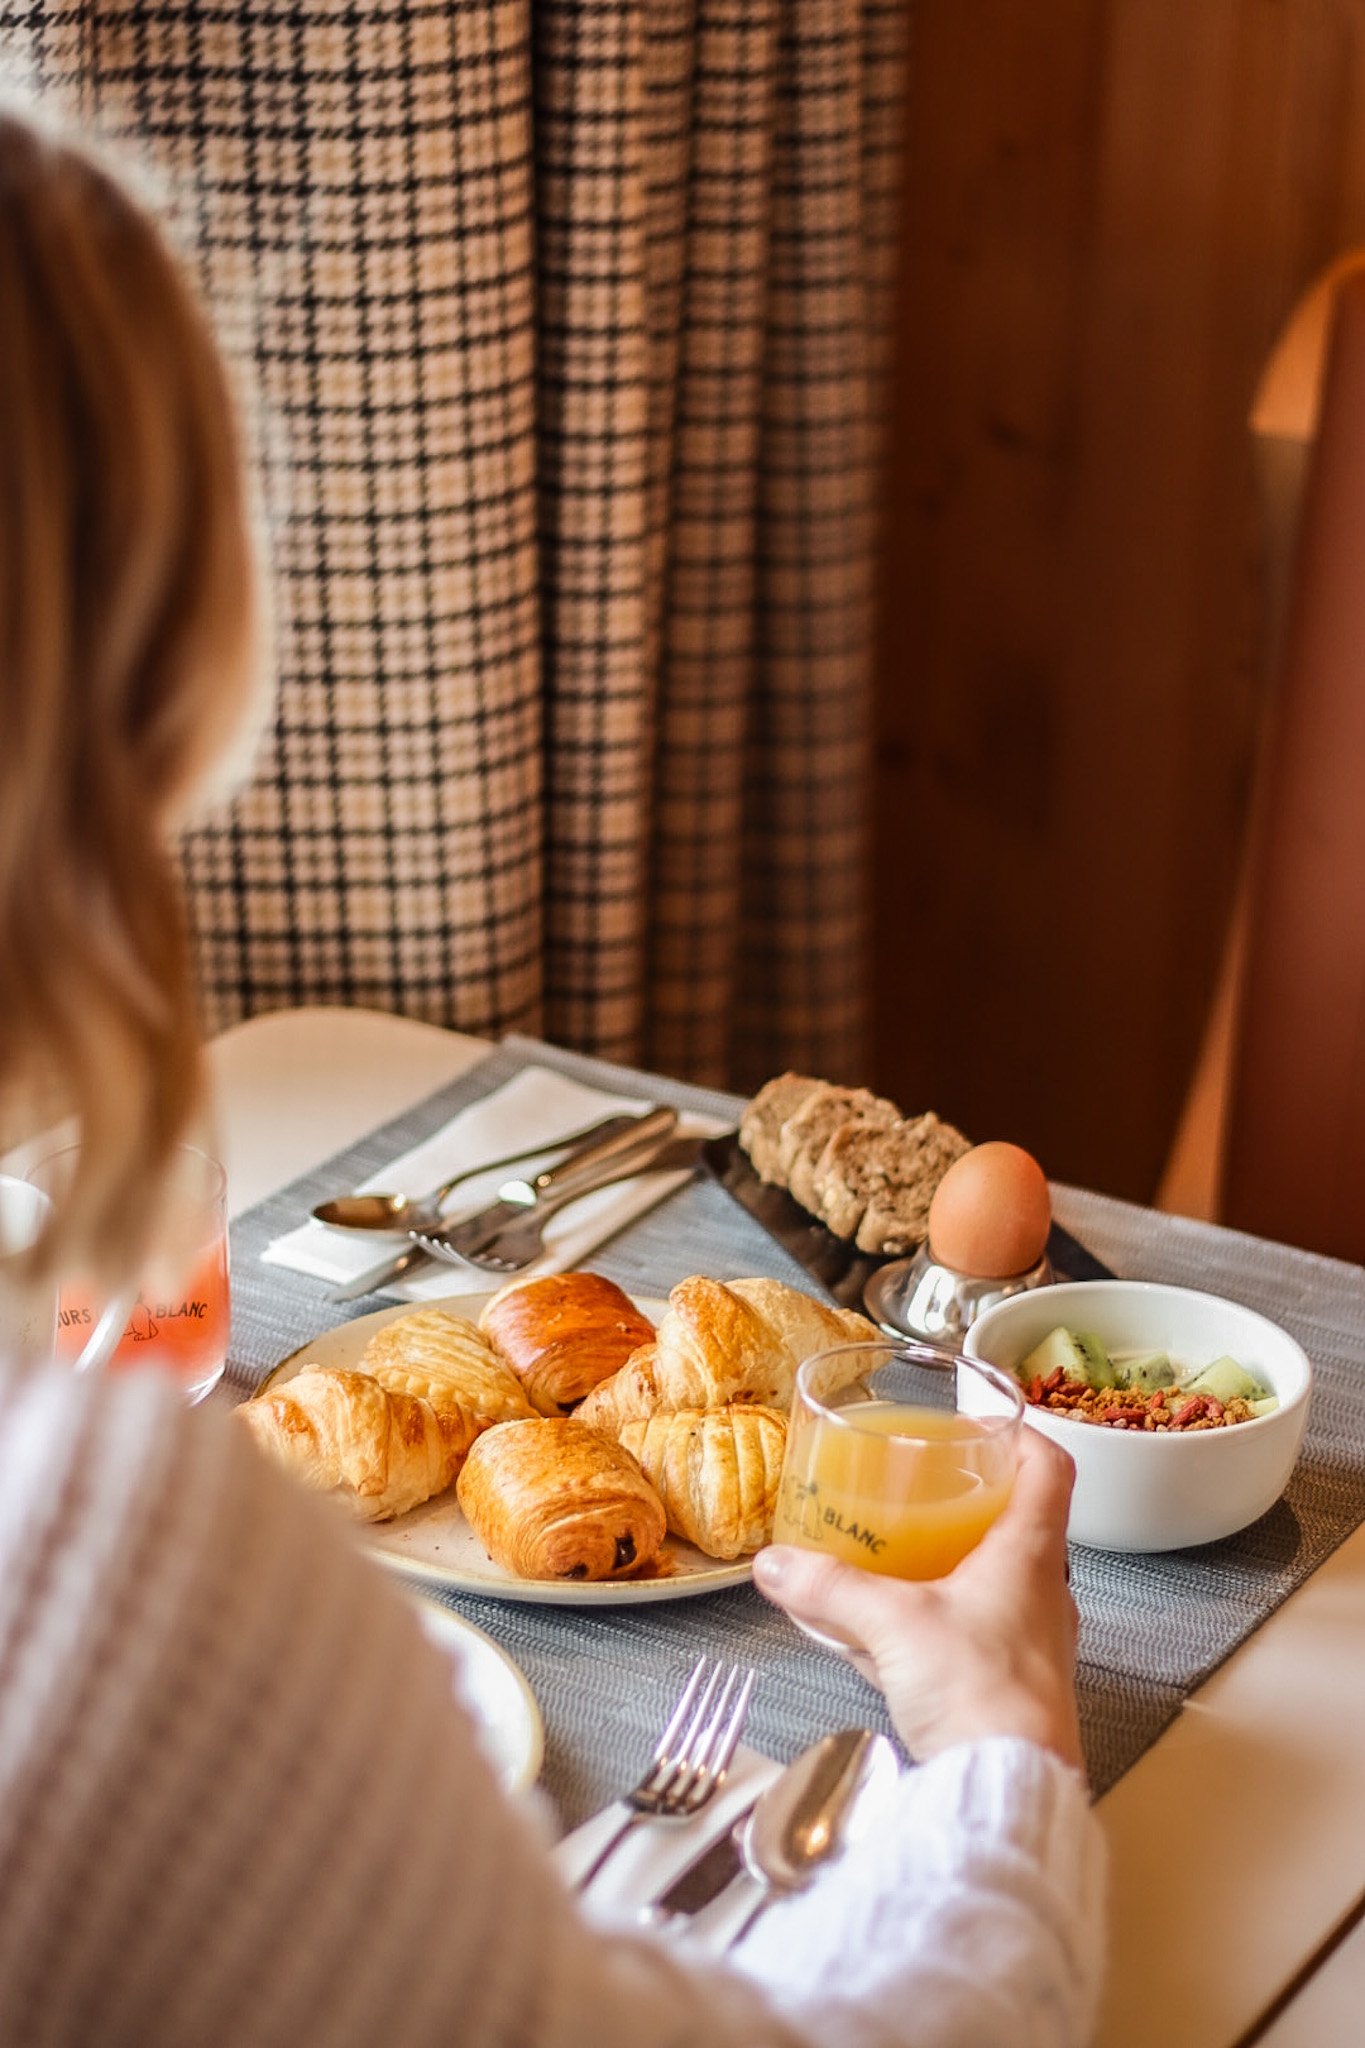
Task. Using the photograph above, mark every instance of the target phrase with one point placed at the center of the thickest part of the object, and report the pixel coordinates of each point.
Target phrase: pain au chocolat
(551, 1499)
(563, 1334)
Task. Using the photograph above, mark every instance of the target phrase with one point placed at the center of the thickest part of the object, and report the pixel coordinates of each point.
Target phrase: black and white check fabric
(567, 320)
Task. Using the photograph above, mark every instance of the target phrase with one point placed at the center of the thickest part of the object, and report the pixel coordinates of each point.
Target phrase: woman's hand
(988, 1650)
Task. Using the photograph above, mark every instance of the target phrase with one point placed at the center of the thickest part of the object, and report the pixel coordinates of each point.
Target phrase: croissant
(716, 1473)
(564, 1334)
(630, 1395)
(549, 1499)
(805, 1324)
(342, 1433)
(720, 1343)
(451, 1365)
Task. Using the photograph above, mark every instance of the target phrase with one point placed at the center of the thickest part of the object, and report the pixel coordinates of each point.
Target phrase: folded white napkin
(655, 1852)
(536, 1106)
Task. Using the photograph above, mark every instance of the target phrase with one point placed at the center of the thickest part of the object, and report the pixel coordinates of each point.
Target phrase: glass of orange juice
(179, 1318)
(898, 1457)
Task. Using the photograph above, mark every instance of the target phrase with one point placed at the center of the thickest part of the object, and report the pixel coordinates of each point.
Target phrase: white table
(1242, 1829)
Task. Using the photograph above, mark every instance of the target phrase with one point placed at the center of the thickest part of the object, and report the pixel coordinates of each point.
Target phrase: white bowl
(1161, 1490)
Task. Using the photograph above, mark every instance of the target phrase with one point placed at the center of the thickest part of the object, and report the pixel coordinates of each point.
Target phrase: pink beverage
(179, 1320)
(182, 1329)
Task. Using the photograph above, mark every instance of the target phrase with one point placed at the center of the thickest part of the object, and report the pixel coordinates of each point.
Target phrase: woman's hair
(127, 630)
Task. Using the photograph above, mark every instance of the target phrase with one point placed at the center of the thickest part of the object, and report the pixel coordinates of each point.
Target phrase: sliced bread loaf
(760, 1127)
(806, 1134)
(900, 1178)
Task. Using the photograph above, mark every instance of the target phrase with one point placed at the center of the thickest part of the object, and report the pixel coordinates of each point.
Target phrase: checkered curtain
(565, 317)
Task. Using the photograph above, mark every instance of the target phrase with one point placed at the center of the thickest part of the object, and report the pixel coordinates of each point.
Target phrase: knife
(514, 1224)
(575, 1165)
(703, 1881)
(375, 1277)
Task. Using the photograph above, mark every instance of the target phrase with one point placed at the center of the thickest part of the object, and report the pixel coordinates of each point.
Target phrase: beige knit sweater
(237, 1805)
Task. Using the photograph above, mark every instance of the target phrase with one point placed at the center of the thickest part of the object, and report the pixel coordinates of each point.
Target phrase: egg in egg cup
(988, 1230)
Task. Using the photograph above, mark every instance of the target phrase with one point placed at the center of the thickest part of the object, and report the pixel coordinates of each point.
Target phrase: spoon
(424, 1212)
(801, 1820)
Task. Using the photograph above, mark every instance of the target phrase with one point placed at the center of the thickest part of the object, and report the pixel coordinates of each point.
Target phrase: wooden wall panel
(1110, 207)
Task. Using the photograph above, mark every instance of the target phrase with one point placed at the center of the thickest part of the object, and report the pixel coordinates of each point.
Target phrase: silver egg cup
(920, 1298)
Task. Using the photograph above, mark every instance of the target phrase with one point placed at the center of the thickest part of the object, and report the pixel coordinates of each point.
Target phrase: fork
(692, 1755)
(509, 1237)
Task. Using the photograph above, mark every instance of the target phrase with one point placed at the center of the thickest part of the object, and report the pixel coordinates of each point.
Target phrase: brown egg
(990, 1213)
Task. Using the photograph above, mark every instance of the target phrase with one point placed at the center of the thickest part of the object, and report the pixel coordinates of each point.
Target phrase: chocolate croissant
(719, 1344)
(342, 1433)
(716, 1473)
(448, 1363)
(563, 1334)
(549, 1499)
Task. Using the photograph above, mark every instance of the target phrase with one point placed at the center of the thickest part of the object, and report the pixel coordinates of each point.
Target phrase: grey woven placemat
(1151, 1627)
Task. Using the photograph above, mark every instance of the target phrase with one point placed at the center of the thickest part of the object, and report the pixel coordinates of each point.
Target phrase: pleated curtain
(566, 321)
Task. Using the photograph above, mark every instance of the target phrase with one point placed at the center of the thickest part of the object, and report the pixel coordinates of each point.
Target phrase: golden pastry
(341, 1433)
(720, 1343)
(563, 1334)
(450, 1364)
(716, 1473)
(549, 1499)
(804, 1324)
(629, 1395)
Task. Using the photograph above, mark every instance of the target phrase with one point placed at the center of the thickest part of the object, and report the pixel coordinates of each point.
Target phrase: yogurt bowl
(1161, 1489)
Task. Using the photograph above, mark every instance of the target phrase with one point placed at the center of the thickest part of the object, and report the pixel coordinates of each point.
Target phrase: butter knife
(799, 1823)
(694, 1889)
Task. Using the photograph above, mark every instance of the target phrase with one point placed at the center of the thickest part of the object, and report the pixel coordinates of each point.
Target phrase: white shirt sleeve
(239, 1806)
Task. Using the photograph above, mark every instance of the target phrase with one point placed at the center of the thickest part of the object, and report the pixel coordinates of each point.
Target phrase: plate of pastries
(557, 1440)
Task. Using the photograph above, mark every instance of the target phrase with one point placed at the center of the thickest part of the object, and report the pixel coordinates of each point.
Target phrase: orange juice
(907, 1491)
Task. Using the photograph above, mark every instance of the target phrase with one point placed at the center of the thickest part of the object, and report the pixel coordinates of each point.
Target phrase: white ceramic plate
(435, 1543)
(488, 1684)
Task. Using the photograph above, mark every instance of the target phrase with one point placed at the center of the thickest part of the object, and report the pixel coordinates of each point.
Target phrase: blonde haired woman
(236, 1801)
(128, 641)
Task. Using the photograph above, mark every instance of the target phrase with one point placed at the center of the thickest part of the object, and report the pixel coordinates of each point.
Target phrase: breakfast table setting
(1217, 1682)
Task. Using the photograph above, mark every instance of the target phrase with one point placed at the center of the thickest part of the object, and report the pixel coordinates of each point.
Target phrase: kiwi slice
(1225, 1380)
(1148, 1371)
(1082, 1358)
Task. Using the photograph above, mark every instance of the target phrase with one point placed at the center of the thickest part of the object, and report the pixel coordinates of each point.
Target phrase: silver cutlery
(691, 1757)
(620, 1137)
(510, 1235)
(799, 1823)
(701, 1884)
(424, 1212)
(396, 1267)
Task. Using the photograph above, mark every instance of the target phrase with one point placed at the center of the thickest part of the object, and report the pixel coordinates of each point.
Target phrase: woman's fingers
(818, 1589)
(843, 1600)
(986, 1650)
(858, 1609)
(1033, 1525)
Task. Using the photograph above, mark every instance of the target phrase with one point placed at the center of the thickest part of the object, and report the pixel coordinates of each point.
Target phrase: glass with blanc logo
(178, 1317)
(898, 1457)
